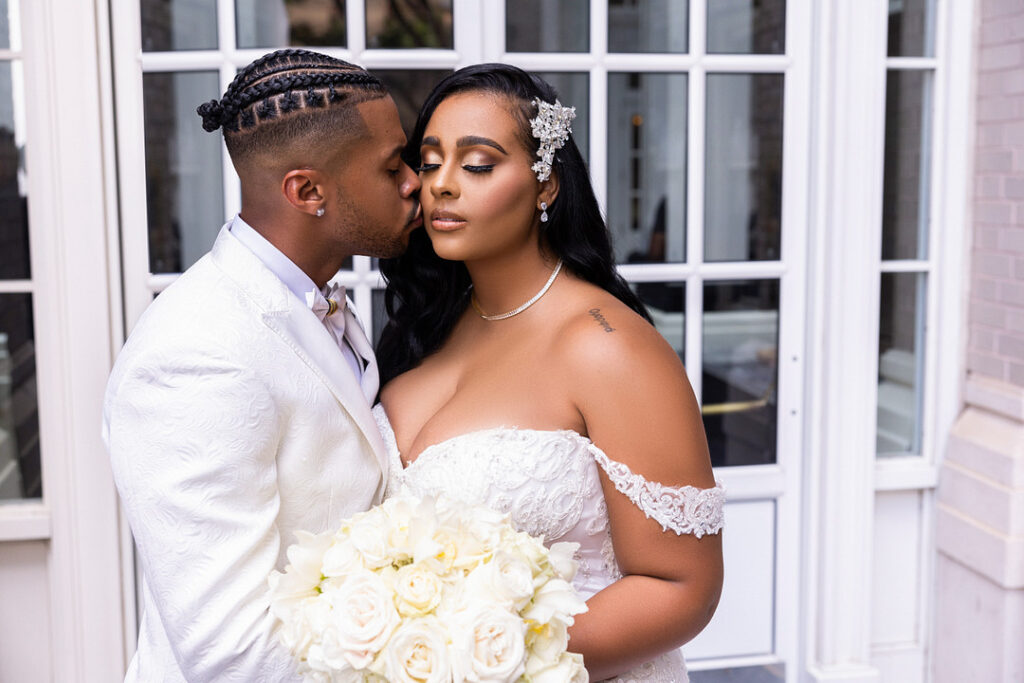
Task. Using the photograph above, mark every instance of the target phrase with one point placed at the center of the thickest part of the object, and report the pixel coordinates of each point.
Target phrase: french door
(694, 119)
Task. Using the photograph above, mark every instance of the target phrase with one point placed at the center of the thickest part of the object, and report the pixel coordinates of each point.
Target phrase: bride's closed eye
(482, 168)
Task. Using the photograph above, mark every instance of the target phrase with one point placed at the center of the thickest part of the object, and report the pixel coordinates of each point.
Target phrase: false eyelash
(479, 169)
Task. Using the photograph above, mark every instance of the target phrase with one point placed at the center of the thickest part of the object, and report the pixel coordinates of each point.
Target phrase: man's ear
(303, 190)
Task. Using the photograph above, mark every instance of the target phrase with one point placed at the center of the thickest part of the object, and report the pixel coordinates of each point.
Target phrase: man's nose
(410, 183)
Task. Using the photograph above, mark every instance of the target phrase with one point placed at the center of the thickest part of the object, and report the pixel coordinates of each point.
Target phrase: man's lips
(415, 218)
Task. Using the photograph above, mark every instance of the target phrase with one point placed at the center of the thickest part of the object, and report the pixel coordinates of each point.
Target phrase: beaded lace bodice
(548, 482)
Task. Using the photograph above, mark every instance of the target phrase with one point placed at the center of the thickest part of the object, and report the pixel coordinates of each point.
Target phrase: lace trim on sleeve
(683, 509)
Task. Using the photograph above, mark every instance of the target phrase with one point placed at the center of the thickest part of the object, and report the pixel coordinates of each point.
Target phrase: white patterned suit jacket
(232, 421)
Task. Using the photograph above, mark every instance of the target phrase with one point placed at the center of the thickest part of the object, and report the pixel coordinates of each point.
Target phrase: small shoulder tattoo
(595, 313)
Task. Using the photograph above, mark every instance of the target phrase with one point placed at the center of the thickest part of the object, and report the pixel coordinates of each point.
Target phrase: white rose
(531, 550)
(556, 599)
(417, 590)
(494, 638)
(418, 653)
(506, 580)
(364, 618)
(369, 537)
(568, 669)
(296, 632)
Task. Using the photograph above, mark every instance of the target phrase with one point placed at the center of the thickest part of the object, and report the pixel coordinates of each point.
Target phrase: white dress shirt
(300, 284)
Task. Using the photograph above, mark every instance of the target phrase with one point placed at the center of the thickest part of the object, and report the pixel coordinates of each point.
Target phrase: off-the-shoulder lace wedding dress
(548, 482)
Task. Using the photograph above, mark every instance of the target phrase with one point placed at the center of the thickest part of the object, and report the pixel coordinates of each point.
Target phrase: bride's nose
(443, 182)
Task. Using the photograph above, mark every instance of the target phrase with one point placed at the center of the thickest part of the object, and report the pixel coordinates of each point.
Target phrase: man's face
(376, 192)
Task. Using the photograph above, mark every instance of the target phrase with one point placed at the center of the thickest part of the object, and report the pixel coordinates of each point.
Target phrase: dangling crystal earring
(320, 212)
(544, 212)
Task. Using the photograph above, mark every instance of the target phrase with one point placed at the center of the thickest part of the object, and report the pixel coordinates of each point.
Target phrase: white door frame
(70, 179)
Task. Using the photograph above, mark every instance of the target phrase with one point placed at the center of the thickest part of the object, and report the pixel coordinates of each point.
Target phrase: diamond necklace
(518, 309)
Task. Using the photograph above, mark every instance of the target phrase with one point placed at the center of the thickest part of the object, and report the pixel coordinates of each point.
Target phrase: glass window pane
(740, 371)
(655, 26)
(647, 166)
(409, 88)
(912, 28)
(743, 171)
(178, 25)
(574, 91)
(14, 256)
(666, 302)
(380, 318)
(5, 26)
(901, 363)
(747, 27)
(769, 673)
(547, 26)
(184, 183)
(20, 476)
(409, 23)
(908, 109)
(276, 23)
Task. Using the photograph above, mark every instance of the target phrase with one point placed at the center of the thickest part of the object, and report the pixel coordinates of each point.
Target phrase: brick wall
(996, 341)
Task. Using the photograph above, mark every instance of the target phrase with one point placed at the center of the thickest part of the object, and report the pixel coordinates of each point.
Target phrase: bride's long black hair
(426, 294)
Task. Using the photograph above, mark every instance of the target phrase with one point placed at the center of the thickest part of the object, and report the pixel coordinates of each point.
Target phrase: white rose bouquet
(428, 590)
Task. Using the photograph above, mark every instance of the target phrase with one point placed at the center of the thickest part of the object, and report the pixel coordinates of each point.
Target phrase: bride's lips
(444, 221)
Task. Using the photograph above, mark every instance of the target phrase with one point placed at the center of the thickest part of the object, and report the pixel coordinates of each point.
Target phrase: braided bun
(213, 115)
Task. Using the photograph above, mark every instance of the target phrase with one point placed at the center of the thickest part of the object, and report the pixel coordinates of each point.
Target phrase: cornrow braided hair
(282, 82)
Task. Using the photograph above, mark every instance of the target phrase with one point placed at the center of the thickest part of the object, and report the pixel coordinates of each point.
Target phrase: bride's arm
(636, 401)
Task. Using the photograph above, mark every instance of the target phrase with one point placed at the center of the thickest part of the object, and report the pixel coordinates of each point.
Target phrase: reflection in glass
(912, 28)
(655, 26)
(908, 108)
(647, 166)
(409, 23)
(5, 26)
(379, 318)
(20, 476)
(178, 25)
(14, 256)
(743, 168)
(769, 673)
(409, 88)
(573, 90)
(666, 302)
(275, 23)
(900, 363)
(547, 26)
(184, 184)
(744, 27)
(740, 371)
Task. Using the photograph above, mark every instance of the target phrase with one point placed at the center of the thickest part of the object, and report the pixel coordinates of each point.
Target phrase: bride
(522, 372)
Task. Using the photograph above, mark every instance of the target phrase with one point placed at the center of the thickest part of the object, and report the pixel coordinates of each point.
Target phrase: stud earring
(544, 212)
(320, 212)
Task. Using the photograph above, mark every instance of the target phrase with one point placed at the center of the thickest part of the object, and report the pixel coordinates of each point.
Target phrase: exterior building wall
(979, 613)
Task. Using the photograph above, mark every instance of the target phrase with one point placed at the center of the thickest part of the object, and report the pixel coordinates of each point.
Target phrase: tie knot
(327, 301)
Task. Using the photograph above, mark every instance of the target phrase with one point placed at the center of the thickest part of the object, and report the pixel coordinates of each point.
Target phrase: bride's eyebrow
(465, 141)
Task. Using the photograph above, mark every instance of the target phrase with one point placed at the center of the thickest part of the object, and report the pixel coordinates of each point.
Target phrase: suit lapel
(299, 327)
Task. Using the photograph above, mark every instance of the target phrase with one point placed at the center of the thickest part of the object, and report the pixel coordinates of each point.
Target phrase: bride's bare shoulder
(599, 329)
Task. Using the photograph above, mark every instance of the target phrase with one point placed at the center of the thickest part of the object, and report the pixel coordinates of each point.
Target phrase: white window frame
(844, 473)
(72, 211)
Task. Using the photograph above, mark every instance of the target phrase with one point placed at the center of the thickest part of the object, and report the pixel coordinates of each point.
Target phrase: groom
(238, 411)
